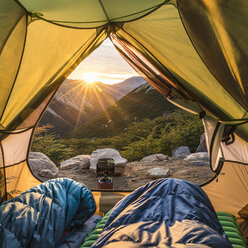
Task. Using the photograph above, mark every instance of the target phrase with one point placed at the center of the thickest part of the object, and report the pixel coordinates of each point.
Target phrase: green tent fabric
(194, 52)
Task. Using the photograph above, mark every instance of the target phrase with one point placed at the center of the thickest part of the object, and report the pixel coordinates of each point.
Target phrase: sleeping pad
(39, 216)
(164, 213)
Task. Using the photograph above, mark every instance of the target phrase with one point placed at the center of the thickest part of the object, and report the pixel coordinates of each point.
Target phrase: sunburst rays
(91, 90)
(81, 108)
(105, 111)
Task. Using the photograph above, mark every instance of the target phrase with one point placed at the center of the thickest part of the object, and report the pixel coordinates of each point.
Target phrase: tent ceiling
(193, 51)
(90, 13)
(223, 45)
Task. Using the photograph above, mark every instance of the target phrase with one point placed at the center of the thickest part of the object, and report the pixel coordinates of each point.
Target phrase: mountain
(121, 89)
(76, 102)
(141, 103)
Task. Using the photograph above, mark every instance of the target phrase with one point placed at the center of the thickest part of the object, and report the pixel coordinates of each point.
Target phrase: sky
(105, 64)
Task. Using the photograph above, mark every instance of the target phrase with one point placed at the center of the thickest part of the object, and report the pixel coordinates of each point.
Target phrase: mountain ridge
(77, 101)
(139, 104)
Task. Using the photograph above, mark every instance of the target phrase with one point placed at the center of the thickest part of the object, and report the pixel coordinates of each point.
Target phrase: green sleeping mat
(231, 229)
(228, 222)
(93, 236)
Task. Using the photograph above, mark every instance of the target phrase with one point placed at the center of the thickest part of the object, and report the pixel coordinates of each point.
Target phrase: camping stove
(105, 172)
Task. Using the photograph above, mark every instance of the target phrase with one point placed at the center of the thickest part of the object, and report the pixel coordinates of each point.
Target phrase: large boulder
(78, 162)
(111, 153)
(180, 152)
(155, 158)
(42, 166)
(198, 159)
(158, 172)
(202, 147)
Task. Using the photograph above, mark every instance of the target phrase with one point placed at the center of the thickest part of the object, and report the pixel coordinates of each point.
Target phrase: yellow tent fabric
(194, 52)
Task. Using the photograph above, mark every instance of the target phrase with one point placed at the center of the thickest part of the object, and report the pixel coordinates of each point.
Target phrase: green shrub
(138, 140)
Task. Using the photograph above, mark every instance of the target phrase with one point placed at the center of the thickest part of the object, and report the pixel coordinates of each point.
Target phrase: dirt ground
(135, 174)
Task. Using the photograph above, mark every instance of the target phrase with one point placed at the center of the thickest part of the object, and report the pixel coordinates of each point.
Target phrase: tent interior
(195, 53)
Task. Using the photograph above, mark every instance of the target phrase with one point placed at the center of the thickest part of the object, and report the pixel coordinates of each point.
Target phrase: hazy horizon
(105, 64)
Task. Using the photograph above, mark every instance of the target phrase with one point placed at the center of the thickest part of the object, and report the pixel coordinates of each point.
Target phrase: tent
(194, 52)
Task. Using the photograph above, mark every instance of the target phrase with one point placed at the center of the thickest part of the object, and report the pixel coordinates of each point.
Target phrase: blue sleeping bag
(164, 213)
(38, 217)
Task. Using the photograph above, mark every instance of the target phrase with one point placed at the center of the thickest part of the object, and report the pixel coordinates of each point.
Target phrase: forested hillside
(139, 139)
(141, 123)
(142, 103)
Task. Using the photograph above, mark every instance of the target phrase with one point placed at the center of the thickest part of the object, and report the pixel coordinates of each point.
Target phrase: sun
(89, 77)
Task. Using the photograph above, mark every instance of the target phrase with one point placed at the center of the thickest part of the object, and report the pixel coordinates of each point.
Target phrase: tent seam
(17, 72)
(154, 8)
(104, 10)
(114, 19)
(28, 151)
(18, 3)
(11, 31)
(5, 131)
(236, 162)
(202, 58)
(7, 166)
(4, 172)
(65, 26)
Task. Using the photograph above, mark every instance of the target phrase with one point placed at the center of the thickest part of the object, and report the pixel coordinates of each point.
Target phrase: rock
(198, 159)
(199, 162)
(180, 152)
(202, 147)
(48, 173)
(155, 158)
(198, 156)
(111, 153)
(134, 180)
(78, 162)
(158, 172)
(40, 165)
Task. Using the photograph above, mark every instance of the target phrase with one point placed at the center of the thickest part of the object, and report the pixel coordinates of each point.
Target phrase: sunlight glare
(90, 77)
